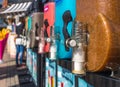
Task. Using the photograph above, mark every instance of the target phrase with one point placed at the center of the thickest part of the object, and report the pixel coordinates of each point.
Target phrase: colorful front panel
(37, 23)
(50, 73)
(49, 13)
(65, 78)
(83, 83)
(30, 60)
(65, 13)
(29, 23)
(34, 73)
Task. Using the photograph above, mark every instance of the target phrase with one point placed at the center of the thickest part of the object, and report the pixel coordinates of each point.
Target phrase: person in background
(11, 48)
(18, 41)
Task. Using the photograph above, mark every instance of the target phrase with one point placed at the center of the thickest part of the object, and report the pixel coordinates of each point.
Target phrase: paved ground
(8, 72)
(11, 76)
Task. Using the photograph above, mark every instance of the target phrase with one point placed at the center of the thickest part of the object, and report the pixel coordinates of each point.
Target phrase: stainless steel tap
(78, 41)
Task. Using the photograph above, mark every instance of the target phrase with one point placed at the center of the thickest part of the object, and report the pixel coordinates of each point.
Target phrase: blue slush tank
(65, 13)
(29, 23)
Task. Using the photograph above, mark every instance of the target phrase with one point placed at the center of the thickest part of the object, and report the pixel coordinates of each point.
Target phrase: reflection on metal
(53, 46)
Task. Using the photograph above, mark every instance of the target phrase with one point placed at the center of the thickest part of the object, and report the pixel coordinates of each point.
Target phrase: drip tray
(110, 74)
(27, 85)
(23, 79)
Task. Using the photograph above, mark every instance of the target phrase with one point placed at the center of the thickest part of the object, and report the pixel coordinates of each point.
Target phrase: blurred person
(11, 49)
(18, 40)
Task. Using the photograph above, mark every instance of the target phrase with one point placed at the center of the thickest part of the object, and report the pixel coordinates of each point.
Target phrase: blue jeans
(19, 52)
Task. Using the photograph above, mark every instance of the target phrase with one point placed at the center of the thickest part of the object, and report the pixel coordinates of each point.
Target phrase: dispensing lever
(46, 27)
(51, 35)
(53, 47)
(36, 29)
(79, 53)
(66, 36)
(66, 19)
(41, 42)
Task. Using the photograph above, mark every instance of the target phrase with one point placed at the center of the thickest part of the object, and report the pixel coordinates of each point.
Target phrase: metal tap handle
(66, 19)
(46, 26)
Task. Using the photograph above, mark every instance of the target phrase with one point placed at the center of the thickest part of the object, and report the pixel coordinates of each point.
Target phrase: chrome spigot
(41, 42)
(53, 46)
(79, 44)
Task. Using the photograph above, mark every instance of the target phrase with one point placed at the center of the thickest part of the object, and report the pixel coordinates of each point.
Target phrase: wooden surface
(8, 72)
